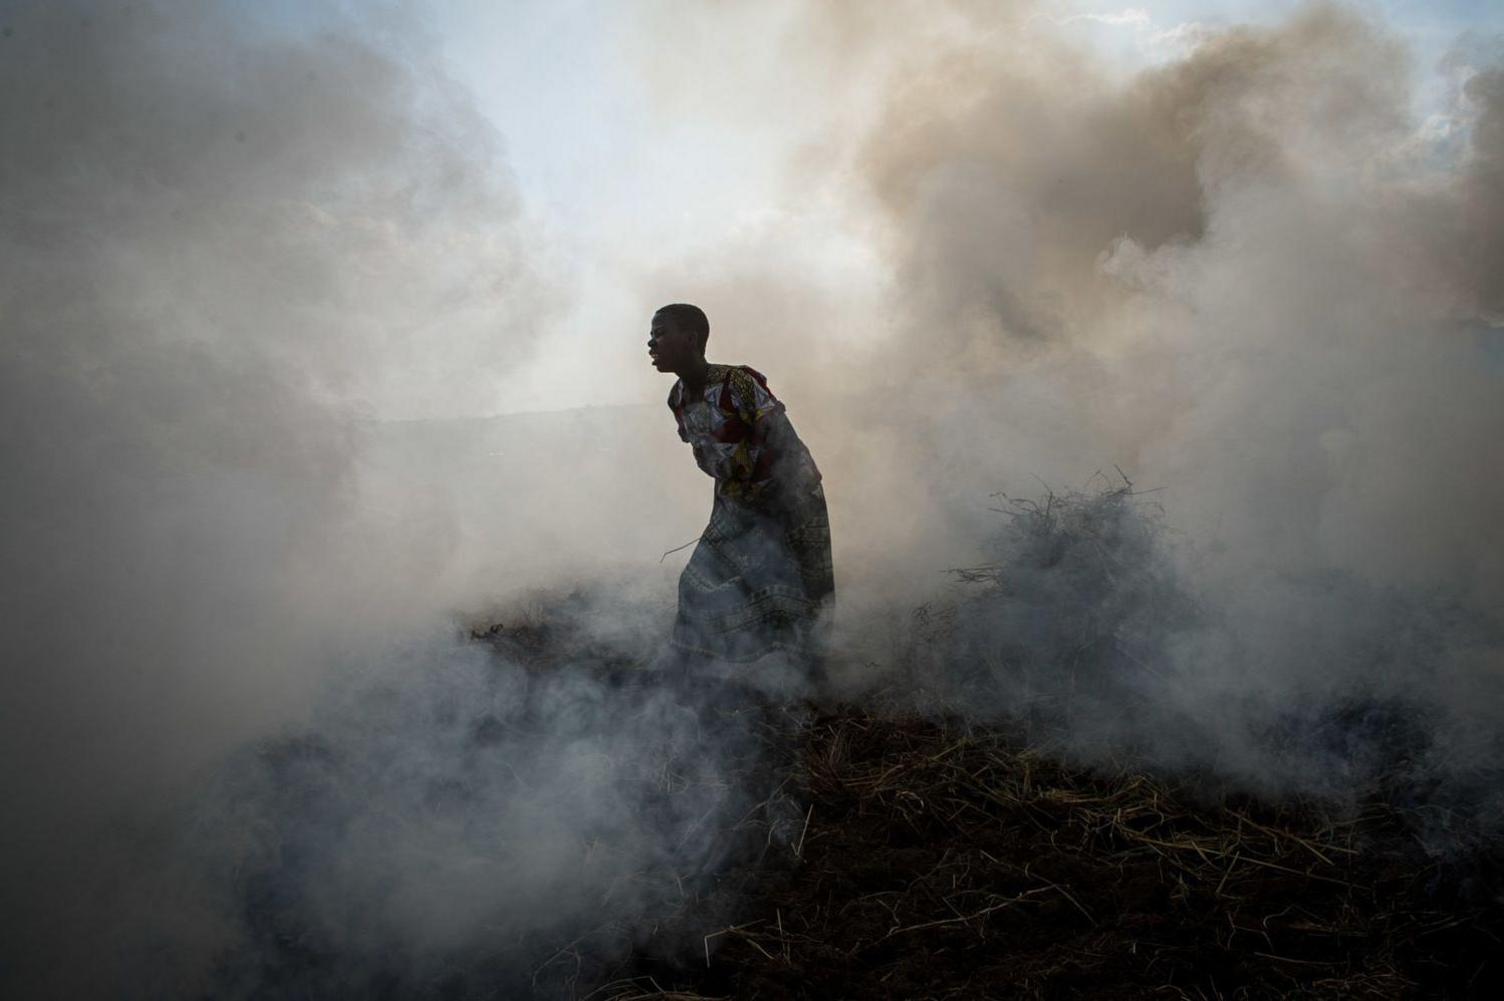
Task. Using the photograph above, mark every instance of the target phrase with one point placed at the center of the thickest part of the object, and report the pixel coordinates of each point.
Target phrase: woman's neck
(694, 377)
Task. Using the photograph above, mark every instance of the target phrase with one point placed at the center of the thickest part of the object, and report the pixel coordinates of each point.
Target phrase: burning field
(939, 858)
(343, 512)
(715, 840)
(941, 861)
(887, 854)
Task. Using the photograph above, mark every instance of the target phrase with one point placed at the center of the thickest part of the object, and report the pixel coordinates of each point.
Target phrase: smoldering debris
(945, 860)
(471, 826)
(531, 811)
(1074, 607)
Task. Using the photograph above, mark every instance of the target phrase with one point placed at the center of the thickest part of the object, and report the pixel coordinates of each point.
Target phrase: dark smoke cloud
(224, 241)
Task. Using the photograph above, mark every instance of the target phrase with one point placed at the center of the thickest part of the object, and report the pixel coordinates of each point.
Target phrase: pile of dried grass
(944, 862)
(907, 856)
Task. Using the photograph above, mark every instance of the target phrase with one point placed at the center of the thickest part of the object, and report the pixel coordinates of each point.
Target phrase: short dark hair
(690, 318)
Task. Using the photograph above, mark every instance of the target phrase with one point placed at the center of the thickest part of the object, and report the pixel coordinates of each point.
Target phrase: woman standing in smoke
(760, 581)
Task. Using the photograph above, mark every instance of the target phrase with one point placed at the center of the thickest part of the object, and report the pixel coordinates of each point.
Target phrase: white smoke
(1253, 277)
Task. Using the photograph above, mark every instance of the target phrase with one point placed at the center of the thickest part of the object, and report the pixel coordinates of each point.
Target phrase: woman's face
(670, 348)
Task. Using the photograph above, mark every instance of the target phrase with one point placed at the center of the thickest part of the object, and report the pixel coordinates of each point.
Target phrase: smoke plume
(225, 241)
(1251, 276)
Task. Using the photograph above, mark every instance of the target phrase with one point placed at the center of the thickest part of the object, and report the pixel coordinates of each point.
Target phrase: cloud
(1134, 16)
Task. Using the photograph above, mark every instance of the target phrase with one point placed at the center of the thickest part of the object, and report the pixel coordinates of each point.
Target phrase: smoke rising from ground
(1240, 276)
(225, 240)
(234, 249)
(1245, 278)
(455, 825)
(1251, 276)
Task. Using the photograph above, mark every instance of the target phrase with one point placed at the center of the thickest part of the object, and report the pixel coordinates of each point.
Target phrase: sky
(616, 179)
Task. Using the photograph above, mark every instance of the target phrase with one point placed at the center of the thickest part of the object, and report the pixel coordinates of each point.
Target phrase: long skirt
(759, 582)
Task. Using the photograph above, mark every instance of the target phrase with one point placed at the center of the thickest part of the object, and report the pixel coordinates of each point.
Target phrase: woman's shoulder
(746, 390)
(740, 377)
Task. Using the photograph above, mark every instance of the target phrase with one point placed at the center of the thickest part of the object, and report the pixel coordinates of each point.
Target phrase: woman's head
(677, 337)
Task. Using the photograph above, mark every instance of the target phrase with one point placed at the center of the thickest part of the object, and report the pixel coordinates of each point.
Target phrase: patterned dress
(760, 577)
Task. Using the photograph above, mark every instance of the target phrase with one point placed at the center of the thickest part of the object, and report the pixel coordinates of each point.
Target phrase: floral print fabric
(760, 578)
(741, 435)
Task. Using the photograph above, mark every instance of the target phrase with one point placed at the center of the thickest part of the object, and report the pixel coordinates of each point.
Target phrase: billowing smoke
(453, 825)
(222, 244)
(1246, 278)
(1252, 276)
(230, 237)
(1249, 276)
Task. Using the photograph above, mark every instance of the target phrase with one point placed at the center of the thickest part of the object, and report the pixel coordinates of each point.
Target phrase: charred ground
(945, 861)
(946, 835)
(883, 853)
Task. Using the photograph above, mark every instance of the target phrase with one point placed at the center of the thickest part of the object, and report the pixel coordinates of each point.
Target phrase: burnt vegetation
(945, 858)
(951, 834)
(944, 861)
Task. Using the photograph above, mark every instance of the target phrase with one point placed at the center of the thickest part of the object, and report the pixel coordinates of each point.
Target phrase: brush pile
(937, 861)
(1012, 802)
(1065, 627)
(1004, 827)
(1027, 814)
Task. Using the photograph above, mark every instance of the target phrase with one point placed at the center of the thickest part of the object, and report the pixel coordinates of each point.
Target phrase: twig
(677, 548)
(966, 918)
(799, 848)
(718, 934)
